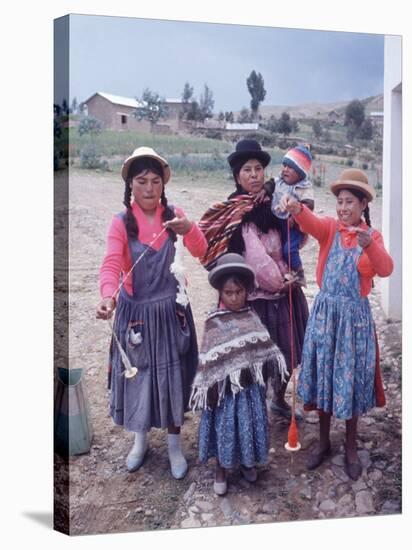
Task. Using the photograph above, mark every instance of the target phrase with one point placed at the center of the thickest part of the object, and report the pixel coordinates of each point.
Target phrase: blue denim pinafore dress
(159, 338)
(339, 349)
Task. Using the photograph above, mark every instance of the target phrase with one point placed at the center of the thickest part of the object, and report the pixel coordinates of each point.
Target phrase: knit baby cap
(300, 159)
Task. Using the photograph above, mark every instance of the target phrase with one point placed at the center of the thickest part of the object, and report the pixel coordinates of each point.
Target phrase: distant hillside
(310, 110)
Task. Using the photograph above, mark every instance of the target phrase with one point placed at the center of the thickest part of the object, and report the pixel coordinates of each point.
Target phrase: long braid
(132, 229)
(366, 215)
(167, 214)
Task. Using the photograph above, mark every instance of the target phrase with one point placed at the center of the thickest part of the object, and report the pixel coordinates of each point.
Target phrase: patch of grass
(112, 143)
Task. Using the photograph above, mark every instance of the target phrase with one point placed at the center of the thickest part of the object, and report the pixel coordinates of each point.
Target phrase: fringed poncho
(236, 351)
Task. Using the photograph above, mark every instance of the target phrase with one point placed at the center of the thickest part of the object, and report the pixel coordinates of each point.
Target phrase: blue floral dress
(339, 349)
(236, 432)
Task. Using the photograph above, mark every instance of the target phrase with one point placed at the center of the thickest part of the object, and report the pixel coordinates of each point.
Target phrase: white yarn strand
(177, 269)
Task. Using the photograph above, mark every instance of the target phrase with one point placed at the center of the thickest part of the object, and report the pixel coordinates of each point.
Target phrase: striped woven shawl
(218, 224)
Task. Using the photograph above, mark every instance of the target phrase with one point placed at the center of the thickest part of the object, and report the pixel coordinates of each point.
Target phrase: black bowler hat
(248, 149)
(233, 264)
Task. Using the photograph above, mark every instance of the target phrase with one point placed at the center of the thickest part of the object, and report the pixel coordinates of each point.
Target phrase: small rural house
(334, 116)
(116, 112)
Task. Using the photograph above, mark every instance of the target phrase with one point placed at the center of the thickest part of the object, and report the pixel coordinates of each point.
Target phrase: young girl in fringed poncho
(237, 357)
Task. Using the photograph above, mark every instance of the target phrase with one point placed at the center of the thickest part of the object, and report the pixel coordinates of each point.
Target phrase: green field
(112, 143)
(185, 154)
(193, 156)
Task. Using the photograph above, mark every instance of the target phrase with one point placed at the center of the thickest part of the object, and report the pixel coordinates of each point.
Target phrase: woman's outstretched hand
(181, 226)
(290, 204)
(364, 237)
(105, 309)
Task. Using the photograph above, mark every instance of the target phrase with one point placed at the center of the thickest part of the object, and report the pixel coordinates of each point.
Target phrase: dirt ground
(95, 489)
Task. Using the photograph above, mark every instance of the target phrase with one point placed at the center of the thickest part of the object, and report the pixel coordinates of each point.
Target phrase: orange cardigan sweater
(374, 259)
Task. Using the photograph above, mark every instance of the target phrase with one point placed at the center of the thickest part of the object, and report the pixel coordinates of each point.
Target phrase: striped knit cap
(300, 159)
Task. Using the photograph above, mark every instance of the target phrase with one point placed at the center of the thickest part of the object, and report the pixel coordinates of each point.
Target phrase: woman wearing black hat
(241, 225)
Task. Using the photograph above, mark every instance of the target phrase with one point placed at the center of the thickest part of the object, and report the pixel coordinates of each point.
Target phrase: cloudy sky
(122, 56)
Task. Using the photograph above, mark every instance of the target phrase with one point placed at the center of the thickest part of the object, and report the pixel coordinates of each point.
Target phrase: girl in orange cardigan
(339, 358)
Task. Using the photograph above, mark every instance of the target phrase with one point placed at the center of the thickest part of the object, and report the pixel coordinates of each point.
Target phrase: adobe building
(116, 113)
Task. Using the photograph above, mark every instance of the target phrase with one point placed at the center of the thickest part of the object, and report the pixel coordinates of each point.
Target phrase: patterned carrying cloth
(219, 223)
(236, 350)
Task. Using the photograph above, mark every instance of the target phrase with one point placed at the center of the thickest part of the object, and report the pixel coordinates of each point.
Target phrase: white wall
(392, 174)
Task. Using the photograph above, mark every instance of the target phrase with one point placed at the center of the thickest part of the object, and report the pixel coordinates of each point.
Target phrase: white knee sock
(178, 462)
(135, 457)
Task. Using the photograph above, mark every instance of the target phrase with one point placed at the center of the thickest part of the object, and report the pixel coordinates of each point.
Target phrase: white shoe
(220, 487)
(137, 453)
(178, 464)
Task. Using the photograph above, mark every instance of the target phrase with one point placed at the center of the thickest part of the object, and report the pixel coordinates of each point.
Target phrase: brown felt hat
(352, 178)
(146, 152)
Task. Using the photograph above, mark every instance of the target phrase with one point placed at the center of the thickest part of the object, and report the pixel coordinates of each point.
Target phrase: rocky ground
(103, 497)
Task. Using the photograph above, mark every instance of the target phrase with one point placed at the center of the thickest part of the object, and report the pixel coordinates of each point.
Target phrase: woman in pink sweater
(340, 375)
(154, 328)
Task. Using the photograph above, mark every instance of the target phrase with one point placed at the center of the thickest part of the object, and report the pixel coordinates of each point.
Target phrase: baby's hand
(261, 197)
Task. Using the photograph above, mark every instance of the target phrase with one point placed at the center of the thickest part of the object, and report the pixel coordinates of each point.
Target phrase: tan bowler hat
(146, 152)
(352, 178)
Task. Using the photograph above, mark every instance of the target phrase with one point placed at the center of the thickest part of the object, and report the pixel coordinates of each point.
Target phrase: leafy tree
(206, 103)
(89, 155)
(244, 115)
(229, 116)
(295, 125)
(354, 114)
(255, 85)
(153, 107)
(193, 112)
(317, 129)
(284, 124)
(187, 94)
(366, 130)
(221, 116)
(90, 125)
(272, 124)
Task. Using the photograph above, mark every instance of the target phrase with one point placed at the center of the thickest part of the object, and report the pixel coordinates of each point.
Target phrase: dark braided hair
(132, 228)
(138, 166)
(360, 195)
(168, 214)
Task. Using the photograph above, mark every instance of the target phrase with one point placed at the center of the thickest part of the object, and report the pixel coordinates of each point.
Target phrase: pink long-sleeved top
(263, 252)
(373, 261)
(117, 258)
